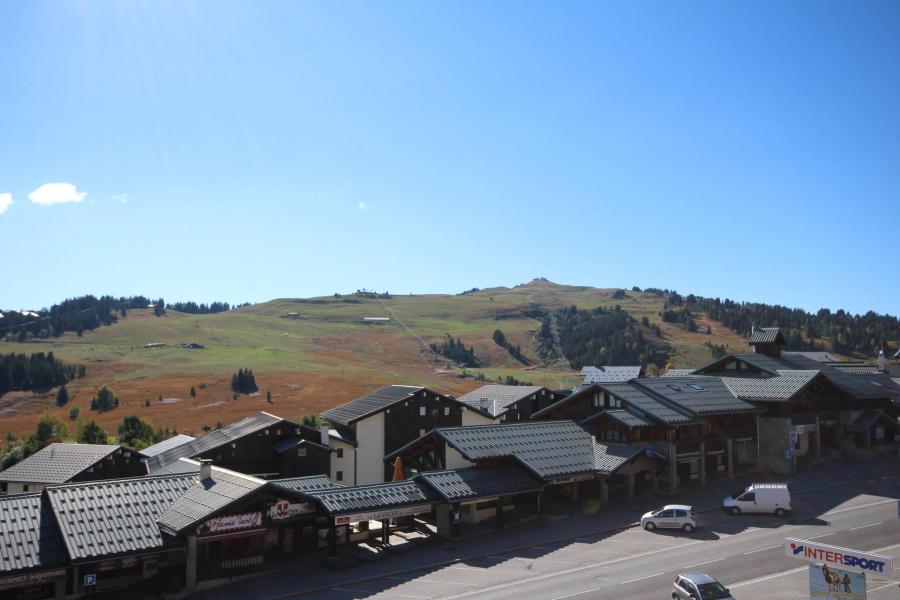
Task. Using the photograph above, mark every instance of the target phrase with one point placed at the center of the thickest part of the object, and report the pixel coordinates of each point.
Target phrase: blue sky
(243, 151)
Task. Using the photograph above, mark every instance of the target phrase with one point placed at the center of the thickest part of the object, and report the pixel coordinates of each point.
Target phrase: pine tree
(62, 396)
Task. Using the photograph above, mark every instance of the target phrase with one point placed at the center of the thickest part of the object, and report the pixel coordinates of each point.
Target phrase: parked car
(670, 516)
(699, 586)
(768, 498)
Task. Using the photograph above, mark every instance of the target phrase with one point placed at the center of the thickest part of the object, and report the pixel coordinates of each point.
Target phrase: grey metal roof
(214, 439)
(172, 442)
(867, 419)
(629, 419)
(114, 517)
(496, 399)
(58, 463)
(549, 449)
(825, 357)
(678, 373)
(372, 403)
(470, 483)
(609, 374)
(180, 467)
(609, 457)
(709, 396)
(782, 387)
(29, 539)
(378, 496)
(766, 335)
(206, 497)
(855, 369)
(310, 483)
(639, 398)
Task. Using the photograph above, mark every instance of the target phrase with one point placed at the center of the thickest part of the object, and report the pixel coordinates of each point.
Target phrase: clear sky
(242, 151)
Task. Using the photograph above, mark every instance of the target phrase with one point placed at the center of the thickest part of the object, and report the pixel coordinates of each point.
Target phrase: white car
(699, 586)
(670, 516)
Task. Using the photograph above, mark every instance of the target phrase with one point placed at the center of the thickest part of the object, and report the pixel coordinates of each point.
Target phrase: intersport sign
(837, 557)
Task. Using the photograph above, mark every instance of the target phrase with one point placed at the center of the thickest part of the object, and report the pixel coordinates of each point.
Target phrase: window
(25, 488)
(672, 386)
(446, 411)
(340, 453)
(422, 432)
(681, 513)
(301, 451)
(423, 411)
(695, 386)
(597, 400)
(749, 497)
(614, 402)
(666, 514)
(339, 476)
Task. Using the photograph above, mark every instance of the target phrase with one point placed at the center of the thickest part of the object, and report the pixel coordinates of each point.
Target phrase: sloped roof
(679, 373)
(767, 335)
(172, 442)
(207, 496)
(102, 519)
(709, 396)
(180, 467)
(825, 357)
(783, 387)
(367, 405)
(470, 483)
(629, 419)
(58, 463)
(378, 496)
(295, 441)
(645, 402)
(29, 539)
(549, 449)
(496, 399)
(213, 440)
(609, 374)
(309, 483)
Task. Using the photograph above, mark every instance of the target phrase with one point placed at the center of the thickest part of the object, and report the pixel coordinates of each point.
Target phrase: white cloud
(121, 197)
(56, 193)
(362, 206)
(5, 201)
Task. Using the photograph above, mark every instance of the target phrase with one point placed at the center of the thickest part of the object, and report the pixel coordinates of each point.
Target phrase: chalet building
(63, 463)
(531, 463)
(364, 430)
(173, 442)
(610, 374)
(500, 403)
(812, 407)
(696, 426)
(263, 445)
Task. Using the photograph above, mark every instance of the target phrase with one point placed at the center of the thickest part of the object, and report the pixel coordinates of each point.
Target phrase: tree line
(456, 351)
(193, 308)
(604, 336)
(243, 382)
(38, 372)
(861, 335)
(514, 350)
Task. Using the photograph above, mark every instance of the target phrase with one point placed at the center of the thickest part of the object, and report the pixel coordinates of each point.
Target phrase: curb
(453, 561)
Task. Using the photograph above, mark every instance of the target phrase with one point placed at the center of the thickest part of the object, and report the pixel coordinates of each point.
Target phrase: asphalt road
(745, 553)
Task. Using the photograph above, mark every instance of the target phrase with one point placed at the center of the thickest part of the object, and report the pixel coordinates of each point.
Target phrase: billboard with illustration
(828, 583)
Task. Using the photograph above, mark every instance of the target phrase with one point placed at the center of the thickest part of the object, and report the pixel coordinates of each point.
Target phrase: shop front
(232, 545)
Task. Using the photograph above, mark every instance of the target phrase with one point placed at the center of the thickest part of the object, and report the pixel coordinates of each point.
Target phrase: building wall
(455, 460)
(344, 464)
(471, 417)
(773, 440)
(254, 453)
(370, 455)
(17, 487)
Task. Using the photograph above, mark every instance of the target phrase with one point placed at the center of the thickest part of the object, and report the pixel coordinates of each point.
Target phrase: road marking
(815, 537)
(509, 584)
(864, 526)
(422, 580)
(578, 594)
(881, 587)
(762, 549)
(642, 578)
(857, 507)
(705, 563)
(767, 577)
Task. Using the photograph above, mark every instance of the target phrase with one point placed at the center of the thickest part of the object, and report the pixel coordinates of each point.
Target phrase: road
(744, 552)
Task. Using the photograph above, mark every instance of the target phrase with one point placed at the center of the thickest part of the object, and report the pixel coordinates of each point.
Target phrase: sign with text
(30, 579)
(381, 515)
(231, 523)
(285, 510)
(838, 558)
(836, 584)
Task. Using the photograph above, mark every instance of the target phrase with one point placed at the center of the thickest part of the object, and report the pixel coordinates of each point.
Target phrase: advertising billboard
(826, 583)
(835, 557)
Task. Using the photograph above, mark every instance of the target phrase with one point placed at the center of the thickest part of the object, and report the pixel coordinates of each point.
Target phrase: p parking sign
(90, 580)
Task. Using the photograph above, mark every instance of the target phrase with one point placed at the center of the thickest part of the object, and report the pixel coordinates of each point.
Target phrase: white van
(768, 498)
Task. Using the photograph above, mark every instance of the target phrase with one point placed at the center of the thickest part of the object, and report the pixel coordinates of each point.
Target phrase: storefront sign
(285, 510)
(714, 452)
(837, 557)
(30, 579)
(826, 583)
(231, 523)
(383, 514)
(744, 439)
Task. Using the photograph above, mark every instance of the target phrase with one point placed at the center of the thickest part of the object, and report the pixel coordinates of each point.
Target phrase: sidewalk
(305, 574)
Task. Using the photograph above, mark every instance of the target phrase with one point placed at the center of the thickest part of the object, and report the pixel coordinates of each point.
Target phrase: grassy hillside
(325, 357)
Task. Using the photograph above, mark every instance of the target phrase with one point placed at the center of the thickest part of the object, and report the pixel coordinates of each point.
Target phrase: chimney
(752, 328)
(882, 361)
(323, 435)
(205, 468)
